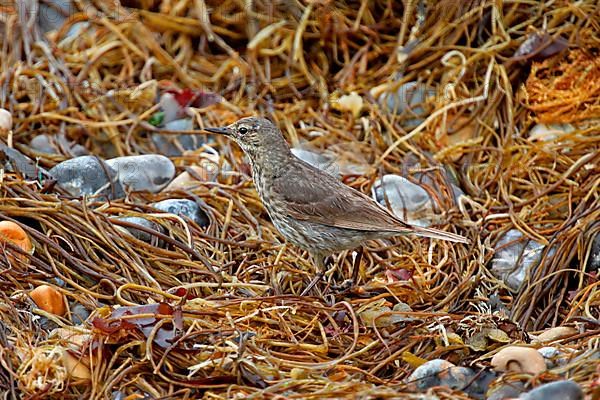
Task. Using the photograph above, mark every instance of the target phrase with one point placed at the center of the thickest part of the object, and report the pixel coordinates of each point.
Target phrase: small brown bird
(310, 208)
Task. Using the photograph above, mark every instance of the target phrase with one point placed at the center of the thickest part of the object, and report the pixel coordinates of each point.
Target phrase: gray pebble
(150, 172)
(553, 357)
(320, 161)
(408, 201)
(513, 262)
(52, 17)
(19, 162)
(138, 233)
(408, 99)
(174, 145)
(506, 391)
(79, 314)
(440, 373)
(561, 390)
(184, 208)
(594, 260)
(58, 144)
(87, 175)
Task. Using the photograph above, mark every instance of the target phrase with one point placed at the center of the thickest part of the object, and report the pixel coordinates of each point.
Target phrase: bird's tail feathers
(438, 234)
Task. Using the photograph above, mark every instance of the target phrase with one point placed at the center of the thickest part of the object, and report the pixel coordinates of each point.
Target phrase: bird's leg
(356, 265)
(320, 262)
(348, 284)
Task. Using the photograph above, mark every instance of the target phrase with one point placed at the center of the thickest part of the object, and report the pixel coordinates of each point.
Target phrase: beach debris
(148, 172)
(519, 359)
(352, 102)
(515, 257)
(407, 200)
(14, 233)
(560, 390)
(184, 208)
(408, 100)
(49, 299)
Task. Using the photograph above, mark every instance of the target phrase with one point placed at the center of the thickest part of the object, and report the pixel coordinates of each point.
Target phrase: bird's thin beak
(221, 130)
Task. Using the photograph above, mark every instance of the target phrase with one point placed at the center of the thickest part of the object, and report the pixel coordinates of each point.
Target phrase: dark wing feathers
(314, 196)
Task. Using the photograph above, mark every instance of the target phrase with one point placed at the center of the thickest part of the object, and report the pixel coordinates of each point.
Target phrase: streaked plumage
(309, 207)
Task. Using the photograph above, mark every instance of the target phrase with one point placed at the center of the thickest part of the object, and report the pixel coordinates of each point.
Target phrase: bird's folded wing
(314, 196)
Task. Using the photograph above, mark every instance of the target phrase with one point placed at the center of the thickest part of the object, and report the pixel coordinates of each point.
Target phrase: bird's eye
(243, 130)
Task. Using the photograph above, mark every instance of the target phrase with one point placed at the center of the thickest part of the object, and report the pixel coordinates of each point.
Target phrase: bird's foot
(312, 283)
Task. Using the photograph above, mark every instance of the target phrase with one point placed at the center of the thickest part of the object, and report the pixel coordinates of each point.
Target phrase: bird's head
(256, 136)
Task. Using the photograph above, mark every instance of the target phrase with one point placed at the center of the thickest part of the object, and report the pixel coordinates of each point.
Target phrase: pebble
(556, 333)
(593, 263)
(86, 175)
(408, 98)
(52, 17)
(320, 161)
(174, 145)
(428, 178)
(513, 262)
(506, 391)
(76, 369)
(186, 180)
(547, 133)
(149, 172)
(440, 373)
(553, 357)
(519, 359)
(19, 162)
(6, 121)
(561, 390)
(58, 144)
(408, 201)
(138, 233)
(349, 102)
(79, 314)
(49, 299)
(171, 108)
(184, 208)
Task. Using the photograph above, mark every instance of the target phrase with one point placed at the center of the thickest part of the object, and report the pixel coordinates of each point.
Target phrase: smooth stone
(171, 108)
(320, 161)
(79, 314)
(506, 391)
(512, 263)
(561, 390)
(174, 145)
(86, 175)
(150, 172)
(19, 162)
(519, 359)
(440, 373)
(408, 201)
(556, 333)
(427, 178)
(138, 233)
(51, 18)
(546, 133)
(57, 145)
(408, 98)
(184, 208)
(477, 387)
(593, 263)
(553, 357)
(186, 180)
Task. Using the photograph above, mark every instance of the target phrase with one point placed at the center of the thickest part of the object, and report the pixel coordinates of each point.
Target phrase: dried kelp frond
(215, 311)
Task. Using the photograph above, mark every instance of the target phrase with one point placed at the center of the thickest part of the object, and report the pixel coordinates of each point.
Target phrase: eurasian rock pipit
(310, 208)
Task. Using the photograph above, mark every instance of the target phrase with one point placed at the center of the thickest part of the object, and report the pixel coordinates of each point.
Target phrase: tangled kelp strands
(161, 276)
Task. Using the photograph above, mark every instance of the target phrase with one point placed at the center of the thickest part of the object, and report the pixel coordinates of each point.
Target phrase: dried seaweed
(216, 312)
